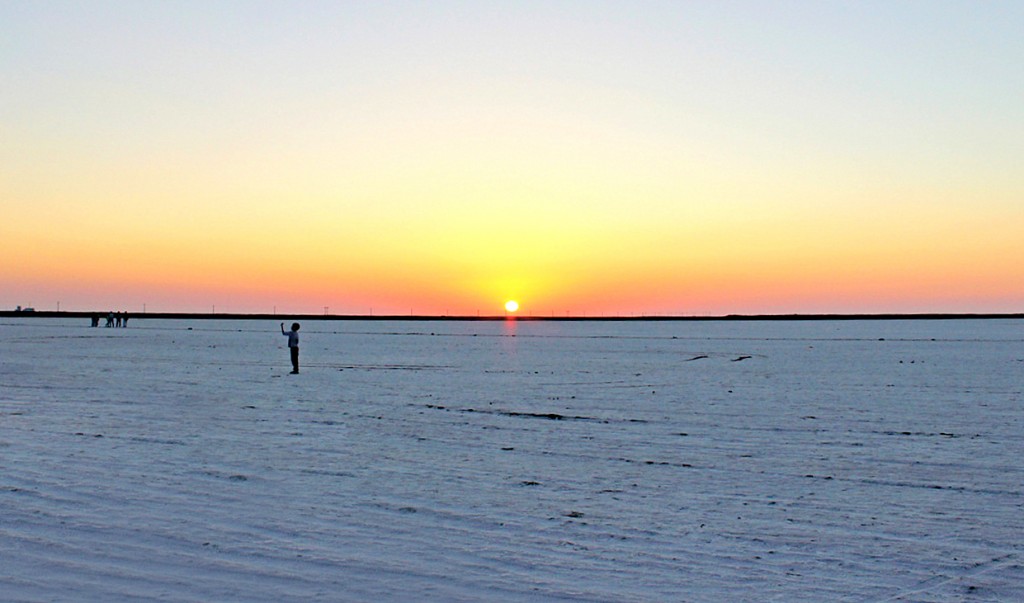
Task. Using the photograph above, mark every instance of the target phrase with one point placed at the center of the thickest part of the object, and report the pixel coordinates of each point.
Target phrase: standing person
(293, 345)
(124, 322)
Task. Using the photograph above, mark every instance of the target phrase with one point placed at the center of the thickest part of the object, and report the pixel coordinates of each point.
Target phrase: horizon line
(516, 317)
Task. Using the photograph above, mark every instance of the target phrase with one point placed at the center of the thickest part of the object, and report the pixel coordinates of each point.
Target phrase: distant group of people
(114, 319)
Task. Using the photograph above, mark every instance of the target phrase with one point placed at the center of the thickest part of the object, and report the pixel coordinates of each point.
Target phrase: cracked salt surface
(839, 461)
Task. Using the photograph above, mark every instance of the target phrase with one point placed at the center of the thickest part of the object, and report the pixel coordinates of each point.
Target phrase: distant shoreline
(435, 318)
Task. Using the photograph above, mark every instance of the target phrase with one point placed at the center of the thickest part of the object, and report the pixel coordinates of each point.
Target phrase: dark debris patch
(650, 462)
(550, 416)
(926, 434)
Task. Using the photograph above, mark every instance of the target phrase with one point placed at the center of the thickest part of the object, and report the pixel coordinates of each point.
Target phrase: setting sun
(511, 305)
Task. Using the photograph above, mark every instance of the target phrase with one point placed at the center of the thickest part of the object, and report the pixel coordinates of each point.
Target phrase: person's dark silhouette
(293, 345)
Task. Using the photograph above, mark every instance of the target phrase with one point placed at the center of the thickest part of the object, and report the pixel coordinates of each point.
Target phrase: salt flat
(512, 461)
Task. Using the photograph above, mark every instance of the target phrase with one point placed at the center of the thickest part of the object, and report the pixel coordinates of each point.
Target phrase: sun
(511, 305)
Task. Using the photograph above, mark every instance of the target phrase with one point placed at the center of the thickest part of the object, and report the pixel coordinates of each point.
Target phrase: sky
(595, 158)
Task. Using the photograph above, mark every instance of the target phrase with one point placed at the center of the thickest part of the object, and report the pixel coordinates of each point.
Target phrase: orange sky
(583, 158)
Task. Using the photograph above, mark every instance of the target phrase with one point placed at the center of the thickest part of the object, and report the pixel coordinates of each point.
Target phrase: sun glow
(511, 305)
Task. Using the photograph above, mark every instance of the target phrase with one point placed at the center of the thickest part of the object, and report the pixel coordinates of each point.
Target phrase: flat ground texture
(512, 461)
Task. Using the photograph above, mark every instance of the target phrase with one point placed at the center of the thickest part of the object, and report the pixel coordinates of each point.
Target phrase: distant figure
(110, 319)
(117, 320)
(95, 320)
(293, 345)
(124, 319)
